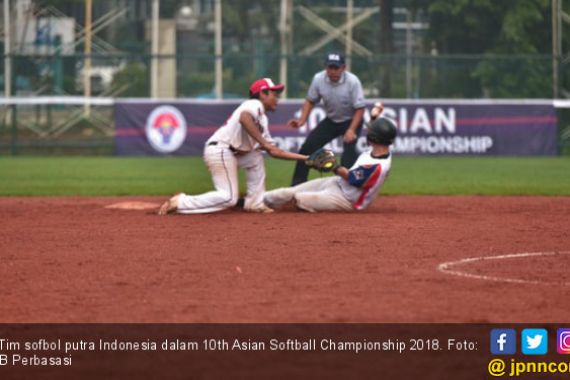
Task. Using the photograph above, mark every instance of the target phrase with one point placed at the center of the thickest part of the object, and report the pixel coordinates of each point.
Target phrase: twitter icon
(534, 341)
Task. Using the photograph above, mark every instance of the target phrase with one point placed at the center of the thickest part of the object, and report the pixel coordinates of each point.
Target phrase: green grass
(480, 176)
(33, 176)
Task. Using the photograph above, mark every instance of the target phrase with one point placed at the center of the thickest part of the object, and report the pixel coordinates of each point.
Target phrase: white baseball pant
(223, 165)
(323, 194)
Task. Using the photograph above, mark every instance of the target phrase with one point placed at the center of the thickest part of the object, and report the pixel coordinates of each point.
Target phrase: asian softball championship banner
(426, 127)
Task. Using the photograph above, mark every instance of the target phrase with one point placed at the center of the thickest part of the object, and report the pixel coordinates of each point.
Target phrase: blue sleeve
(359, 176)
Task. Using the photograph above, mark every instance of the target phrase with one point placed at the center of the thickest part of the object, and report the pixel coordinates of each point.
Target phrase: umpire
(343, 100)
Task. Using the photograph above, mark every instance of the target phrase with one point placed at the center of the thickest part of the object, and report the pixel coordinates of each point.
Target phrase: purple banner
(425, 127)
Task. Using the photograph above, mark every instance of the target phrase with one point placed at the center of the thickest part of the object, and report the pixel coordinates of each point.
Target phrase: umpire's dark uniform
(341, 99)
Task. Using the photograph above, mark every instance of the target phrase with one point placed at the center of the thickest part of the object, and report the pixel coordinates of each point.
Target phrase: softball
(377, 110)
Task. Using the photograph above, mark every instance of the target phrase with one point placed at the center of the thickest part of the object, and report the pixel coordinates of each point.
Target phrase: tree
(520, 29)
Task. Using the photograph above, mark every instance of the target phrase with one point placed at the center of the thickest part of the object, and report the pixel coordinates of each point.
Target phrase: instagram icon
(563, 343)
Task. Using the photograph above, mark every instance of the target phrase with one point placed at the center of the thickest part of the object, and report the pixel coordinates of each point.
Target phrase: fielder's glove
(322, 160)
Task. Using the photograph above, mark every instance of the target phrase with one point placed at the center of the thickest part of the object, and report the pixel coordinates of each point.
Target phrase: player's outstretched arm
(248, 123)
(284, 155)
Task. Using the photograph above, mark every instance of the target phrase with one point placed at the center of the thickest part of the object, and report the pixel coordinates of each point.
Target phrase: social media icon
(563, 341)
(534, 341)
(503, 341)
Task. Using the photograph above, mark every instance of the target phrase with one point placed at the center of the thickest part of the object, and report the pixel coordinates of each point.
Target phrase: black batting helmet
(382, 131)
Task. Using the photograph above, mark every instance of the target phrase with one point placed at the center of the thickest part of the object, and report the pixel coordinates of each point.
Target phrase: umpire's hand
(349, 136)
(295, 123)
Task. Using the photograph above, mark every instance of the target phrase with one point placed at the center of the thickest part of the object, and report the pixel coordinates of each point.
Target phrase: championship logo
(166, 129)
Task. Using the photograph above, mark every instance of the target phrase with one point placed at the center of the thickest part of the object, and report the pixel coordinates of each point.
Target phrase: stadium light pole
(7, 51)
(218, 48)
(154, 49)
(87, 63)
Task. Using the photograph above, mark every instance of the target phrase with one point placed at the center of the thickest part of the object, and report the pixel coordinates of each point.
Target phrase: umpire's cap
(334, 59)
(382, 131)
(264, 84)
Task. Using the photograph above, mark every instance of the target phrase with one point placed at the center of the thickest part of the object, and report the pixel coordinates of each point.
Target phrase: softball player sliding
(351, 189)
(237, 144)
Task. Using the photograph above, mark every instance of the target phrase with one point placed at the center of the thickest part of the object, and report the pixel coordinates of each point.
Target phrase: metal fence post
(14, 142)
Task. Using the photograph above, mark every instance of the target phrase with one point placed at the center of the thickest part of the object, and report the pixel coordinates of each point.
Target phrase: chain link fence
(49, 38)
(383, 76)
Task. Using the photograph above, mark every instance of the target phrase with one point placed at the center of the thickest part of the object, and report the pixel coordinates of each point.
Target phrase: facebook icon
(503, 341)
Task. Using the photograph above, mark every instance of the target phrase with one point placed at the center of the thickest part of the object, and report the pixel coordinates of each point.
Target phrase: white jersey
(366, 177)
(235, 135)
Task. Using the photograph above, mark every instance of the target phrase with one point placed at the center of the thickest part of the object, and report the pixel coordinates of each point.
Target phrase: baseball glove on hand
(322, 160)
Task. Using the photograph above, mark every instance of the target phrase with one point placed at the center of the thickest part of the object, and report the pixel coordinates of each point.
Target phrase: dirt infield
(73, 260)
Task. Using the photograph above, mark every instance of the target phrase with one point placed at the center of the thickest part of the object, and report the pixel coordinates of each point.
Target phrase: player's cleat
(261, 210)
(169, 206)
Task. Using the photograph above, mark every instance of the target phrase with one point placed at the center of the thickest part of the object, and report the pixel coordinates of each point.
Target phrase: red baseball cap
(264, 84)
